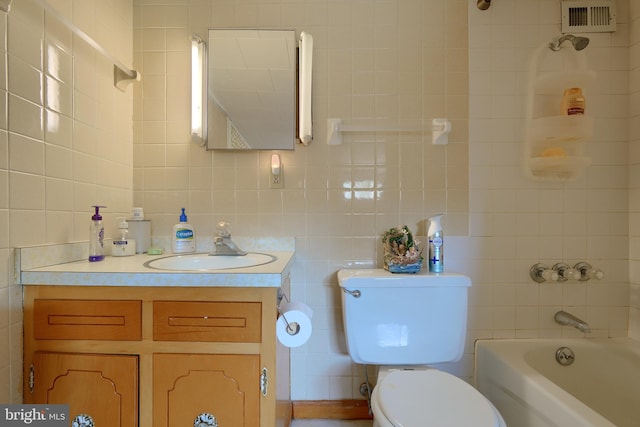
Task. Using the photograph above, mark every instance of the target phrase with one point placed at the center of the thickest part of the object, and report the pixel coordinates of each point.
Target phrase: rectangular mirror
(251, 89)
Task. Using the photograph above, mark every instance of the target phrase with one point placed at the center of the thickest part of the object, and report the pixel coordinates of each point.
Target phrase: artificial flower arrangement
(402, 253)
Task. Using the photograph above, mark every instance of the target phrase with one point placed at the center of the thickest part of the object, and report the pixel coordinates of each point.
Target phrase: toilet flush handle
(355, 294)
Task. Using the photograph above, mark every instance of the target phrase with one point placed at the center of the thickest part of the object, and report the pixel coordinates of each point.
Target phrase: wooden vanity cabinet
(156, 356)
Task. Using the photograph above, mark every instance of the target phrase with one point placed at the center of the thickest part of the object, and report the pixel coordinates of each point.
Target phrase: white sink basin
(206, 262)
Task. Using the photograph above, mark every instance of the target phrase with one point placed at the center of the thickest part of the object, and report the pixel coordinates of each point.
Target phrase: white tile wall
(371, 56)
(516, 222)
(66, 144)
(383, 63)
(8, 392)
(634, 169)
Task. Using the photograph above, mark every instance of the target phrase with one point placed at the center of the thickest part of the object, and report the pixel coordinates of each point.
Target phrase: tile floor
(331, 423)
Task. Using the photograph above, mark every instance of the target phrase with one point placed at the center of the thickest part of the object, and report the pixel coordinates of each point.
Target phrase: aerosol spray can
(436, 245)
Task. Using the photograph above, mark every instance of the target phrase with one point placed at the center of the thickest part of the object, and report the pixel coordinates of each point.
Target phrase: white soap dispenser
(122, 246)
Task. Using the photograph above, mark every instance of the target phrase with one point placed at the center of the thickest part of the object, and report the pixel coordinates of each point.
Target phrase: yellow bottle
(573, 102)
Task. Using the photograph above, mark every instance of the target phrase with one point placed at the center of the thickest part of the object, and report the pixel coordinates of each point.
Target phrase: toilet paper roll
(293, 327)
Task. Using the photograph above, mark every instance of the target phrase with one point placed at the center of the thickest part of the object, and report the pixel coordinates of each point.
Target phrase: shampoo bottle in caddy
(96, 236)
(436, 245)
(184, 239)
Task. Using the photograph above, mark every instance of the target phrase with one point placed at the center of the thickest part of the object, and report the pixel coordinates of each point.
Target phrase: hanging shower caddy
(554, 142)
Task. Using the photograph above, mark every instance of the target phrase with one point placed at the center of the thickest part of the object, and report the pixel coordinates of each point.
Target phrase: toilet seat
(431, 398)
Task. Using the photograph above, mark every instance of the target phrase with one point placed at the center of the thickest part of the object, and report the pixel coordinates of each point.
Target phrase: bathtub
(522, 378)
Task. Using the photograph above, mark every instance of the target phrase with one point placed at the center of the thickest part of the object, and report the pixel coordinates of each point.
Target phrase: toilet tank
(404, 319)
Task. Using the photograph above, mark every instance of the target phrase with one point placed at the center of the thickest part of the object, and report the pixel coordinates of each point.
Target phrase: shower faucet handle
(588, 272)
(596, 273)
(566, 273)
(542, 273)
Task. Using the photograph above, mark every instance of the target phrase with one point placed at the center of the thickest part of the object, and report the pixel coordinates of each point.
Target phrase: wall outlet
(275, 180)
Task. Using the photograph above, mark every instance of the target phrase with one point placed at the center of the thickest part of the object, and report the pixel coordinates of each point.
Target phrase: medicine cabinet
(251, 89)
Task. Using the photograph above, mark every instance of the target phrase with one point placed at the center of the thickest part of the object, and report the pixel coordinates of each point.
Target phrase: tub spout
(568, 319)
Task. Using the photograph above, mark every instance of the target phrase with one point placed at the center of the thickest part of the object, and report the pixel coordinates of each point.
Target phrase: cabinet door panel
(225, 386)
(102, 386)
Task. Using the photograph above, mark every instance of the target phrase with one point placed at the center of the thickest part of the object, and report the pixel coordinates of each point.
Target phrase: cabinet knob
(205, 420)
(83, 420)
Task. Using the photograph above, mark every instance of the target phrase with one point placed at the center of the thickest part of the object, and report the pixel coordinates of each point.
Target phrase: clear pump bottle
(96, 236)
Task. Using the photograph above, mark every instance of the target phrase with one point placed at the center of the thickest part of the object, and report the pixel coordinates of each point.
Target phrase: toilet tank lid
(380, 278)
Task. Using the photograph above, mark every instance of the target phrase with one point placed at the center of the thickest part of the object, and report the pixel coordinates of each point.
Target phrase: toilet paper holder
(292, 327)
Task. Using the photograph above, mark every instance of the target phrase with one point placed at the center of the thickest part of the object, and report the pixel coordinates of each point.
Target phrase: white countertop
(130, 271)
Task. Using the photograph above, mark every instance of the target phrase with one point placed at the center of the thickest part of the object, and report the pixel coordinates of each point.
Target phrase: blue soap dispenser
(96, 236)
(436, 244)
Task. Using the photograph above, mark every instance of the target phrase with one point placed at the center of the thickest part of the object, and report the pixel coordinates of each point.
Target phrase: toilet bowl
(428, 397)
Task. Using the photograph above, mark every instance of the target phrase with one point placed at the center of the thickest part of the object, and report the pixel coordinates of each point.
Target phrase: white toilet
(404, 322)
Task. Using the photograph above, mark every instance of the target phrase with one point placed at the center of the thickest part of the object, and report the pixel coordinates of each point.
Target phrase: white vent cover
(595, 16)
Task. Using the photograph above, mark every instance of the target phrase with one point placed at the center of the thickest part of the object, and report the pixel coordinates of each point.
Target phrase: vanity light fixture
(304, 90)
(197, 84)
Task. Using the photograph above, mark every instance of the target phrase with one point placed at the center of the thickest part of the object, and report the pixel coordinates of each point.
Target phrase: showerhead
(578, 43)
(483, 4)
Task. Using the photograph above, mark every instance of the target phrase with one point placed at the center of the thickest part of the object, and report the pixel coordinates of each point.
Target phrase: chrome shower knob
(588, 272)
(566, 273)
(542, 273)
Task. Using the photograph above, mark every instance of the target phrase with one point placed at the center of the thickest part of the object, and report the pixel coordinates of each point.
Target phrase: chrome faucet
(222, 243)
(568, 319)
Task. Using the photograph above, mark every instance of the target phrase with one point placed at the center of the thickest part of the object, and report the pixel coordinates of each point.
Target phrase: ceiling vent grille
(597, 16)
